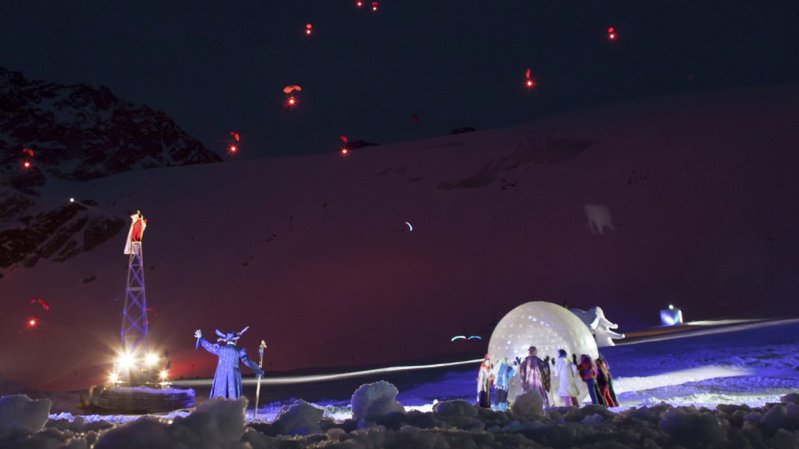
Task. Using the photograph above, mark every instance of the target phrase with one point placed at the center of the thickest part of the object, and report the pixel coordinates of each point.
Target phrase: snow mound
(791, 398)
(459, 414)
(374, 400)
(691, 427)
(529, 405)
(299, 418)
(456, 424)
(217, 423)
(20, 413)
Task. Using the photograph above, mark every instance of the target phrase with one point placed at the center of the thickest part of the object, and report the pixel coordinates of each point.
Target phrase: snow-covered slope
(684, 199)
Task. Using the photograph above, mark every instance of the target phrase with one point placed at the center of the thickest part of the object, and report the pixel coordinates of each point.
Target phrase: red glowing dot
(359, 4)
(233, 148)
(375, 5)
(308, 28)
(32, 323)
(26, 164)
(292, 101)
(344, 151)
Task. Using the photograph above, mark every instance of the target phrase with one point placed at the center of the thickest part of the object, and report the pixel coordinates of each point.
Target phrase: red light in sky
(344, 151)
(26, 164)
(375, 5)
(32, 323)
(529, 82)
(611, 34)
(291, 102)
(232, 149)
(359, 3)
(308, 29)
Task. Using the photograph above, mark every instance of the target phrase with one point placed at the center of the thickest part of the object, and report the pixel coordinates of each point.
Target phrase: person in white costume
(566, 373)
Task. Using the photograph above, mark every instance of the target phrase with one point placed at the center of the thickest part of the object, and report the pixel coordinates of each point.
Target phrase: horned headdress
(231, 337)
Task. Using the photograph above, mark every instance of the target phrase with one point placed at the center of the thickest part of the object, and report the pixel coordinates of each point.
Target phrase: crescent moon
(410, 227)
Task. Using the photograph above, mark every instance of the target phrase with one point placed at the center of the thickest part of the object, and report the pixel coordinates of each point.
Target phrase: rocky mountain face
(75, 133)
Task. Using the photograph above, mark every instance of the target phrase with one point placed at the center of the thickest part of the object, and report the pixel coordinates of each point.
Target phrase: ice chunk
(299, 418)
(528, 405)
(692, 427)
(375, 399)
(19, 412)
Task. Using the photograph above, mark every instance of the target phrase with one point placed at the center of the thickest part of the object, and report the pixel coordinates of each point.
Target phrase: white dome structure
(546, 326)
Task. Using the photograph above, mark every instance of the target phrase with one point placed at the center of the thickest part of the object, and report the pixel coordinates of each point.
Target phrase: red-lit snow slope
(695, 197)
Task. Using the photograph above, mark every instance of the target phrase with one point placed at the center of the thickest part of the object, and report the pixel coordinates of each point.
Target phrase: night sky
(217, 67)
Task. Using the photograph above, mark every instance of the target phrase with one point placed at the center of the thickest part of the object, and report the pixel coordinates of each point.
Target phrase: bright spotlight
(151, 359)
(113, 378)
(126, 361)
(164, 375)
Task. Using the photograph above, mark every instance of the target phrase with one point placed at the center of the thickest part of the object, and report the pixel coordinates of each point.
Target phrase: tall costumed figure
(227, 378)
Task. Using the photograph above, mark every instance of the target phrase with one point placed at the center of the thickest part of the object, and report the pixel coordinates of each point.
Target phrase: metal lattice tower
(134, 313)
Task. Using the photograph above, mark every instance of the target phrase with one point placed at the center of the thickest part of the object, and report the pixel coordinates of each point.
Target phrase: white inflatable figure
(546, 326)
(598, 218)
(600, 326)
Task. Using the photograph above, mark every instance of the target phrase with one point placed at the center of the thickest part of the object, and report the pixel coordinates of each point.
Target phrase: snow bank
(18, 413)
(217, 423)
(299, 418)
(374, 400)
(529, 405)
(221, 424)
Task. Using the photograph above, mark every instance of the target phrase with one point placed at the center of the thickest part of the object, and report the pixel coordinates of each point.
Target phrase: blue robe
(227, 379)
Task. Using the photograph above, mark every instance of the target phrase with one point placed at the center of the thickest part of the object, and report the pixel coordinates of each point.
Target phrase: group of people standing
(536, 374)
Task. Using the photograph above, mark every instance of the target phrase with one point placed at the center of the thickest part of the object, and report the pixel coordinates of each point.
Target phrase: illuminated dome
(546, 326)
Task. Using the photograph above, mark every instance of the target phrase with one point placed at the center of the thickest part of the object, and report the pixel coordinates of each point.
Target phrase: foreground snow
(221, 424)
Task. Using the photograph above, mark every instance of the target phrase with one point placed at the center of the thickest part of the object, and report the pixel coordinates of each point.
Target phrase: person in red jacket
(603, 382)
(588, 374)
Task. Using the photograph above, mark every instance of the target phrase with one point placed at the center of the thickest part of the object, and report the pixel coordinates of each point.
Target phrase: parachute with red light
(375, 5)
(44, 305)
(308, 29)
(612, 34)
(28, 151)
(529, 82)
(235, 136)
